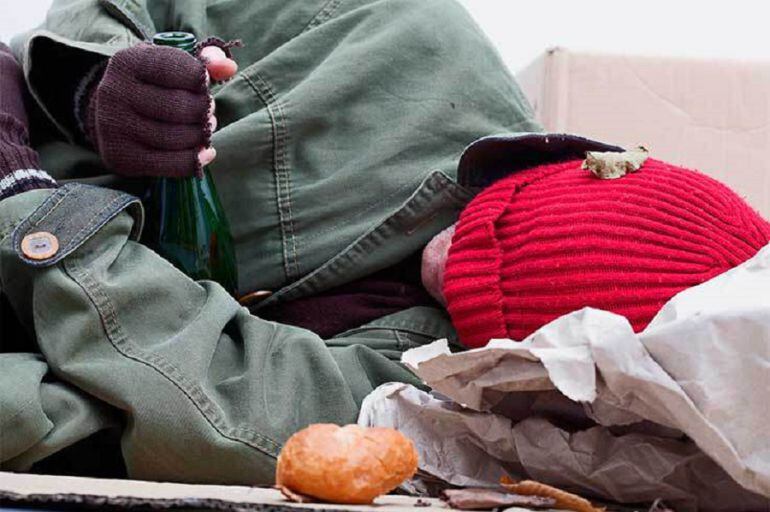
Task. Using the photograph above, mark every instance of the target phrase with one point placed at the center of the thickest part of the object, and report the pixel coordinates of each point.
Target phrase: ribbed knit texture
(17, 159)
(11, 86)
(554, 239)
(15, 152)
(149, 114)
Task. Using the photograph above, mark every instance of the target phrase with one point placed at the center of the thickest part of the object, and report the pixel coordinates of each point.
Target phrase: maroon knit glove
(149, 114)
(19, 166)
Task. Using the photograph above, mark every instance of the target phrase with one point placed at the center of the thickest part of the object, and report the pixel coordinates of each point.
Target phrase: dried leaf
(294, 496)
(611, 165)
(481, 499)
(564, 500)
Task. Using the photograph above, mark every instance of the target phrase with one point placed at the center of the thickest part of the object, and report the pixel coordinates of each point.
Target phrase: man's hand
(152, 115)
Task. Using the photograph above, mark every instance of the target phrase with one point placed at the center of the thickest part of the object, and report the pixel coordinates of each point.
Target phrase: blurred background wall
(523, 29)
(622, 78)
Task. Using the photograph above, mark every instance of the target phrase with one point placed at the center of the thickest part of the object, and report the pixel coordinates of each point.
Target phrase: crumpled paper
(678, 412)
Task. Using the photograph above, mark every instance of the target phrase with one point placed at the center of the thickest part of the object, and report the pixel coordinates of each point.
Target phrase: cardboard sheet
(679, 411)
(711, 115)
(92, 493)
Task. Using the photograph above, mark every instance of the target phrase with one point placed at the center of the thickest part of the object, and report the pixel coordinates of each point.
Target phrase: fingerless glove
(148, 115)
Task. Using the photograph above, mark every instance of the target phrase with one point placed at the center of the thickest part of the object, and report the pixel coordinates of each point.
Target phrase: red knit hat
(553, 239)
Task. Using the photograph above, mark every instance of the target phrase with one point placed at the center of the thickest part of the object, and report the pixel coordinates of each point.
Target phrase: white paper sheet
(702, 368)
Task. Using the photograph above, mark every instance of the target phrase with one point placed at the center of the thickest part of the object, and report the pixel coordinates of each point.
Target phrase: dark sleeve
(19, 165)
(75, 38)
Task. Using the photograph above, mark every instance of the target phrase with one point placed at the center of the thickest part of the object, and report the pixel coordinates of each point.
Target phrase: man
(337, 149)
(337, 161)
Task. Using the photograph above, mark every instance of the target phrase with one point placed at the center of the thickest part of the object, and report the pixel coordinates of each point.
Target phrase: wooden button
(40, 246)
(254, 297)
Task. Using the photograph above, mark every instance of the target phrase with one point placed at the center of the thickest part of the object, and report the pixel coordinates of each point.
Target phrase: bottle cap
(182, 40)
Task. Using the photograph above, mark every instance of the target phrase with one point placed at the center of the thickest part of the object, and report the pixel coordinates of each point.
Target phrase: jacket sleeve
(41, 415)
(208, 392)
(75, 38)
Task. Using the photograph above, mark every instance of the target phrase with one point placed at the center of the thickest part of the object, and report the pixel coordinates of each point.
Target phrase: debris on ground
(564, 500)
(485, 499)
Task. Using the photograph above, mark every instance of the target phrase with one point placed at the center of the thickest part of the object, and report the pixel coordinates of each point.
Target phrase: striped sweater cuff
(24, 180)
(83, 93)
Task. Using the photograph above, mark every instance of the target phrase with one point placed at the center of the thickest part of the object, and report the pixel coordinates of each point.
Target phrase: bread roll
(349, 464)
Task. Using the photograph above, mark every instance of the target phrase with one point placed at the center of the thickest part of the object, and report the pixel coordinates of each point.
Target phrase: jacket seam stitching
(400, 341)
(60, 196)
(447, 185)
(143, 29)
(458, 196)
(122, 343)
(45, 209)
(326, 13)
(35, 222)
(394, 328)
(281, 170)
(95, 220)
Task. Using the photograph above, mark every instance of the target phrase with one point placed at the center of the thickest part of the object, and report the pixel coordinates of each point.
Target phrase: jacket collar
(492, 158)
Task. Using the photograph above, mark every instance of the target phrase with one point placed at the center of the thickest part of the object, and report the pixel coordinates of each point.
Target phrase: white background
(524, 28)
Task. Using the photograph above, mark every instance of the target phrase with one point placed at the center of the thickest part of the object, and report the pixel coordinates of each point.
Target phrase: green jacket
(337, 150)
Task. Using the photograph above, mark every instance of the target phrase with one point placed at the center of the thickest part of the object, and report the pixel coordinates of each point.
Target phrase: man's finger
(222, 69)
(219, 66)
(206, 156)
(212, 53)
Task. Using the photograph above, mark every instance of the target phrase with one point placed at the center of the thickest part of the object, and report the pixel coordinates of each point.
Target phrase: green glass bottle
(187, 224)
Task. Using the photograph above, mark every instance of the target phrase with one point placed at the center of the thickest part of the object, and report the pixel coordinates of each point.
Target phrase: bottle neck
(181, 40)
